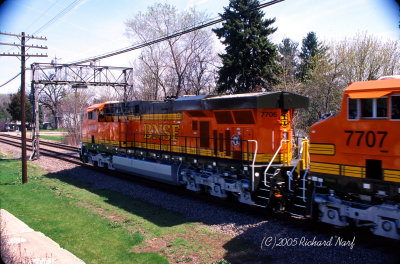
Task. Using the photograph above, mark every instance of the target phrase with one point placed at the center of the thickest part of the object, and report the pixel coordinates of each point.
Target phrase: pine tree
(249, 63)
(289, 64)
(309, 50)
(14, 107)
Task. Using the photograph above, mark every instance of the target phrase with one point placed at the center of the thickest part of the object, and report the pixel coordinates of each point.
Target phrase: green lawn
(54, 130)
(101, 226)
(54, 138)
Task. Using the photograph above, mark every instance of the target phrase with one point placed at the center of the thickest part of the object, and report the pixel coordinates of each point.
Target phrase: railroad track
(46, 143)
(47, 152)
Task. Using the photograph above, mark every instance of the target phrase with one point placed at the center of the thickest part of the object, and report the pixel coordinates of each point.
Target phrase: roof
(283, 100)
(372, 89)
(100, 106)
(263, 100)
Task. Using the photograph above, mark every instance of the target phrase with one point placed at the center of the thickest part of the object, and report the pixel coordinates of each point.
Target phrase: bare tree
(169, 67)
(51, 97)
(74, 108)
(366, 57)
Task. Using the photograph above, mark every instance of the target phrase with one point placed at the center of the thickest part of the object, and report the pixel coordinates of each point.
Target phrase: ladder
(299, 198)
(262, 195)
(265, 190)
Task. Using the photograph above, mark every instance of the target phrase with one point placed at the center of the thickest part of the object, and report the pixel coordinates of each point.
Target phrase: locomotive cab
(355, 159)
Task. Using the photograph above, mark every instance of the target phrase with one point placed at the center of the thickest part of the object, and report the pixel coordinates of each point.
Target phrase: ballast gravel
(278, 241)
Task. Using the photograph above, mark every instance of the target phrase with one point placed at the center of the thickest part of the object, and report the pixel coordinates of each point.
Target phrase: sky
(94, 27)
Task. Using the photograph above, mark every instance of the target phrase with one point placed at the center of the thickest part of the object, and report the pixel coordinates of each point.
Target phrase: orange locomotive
(355, 159)
(232, 144)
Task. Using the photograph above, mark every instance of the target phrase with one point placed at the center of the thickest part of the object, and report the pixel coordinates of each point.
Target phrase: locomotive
(241, 146)
(355, 159)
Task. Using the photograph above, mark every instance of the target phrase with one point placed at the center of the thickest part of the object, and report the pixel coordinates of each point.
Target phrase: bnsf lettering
(165, 131)
(369, 138)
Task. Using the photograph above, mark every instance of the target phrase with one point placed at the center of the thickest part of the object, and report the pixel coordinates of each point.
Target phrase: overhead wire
(160, 39)
(59, 15)
(142, 45)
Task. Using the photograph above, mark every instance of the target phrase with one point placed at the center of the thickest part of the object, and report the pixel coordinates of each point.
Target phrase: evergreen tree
(309, 50)
(14, 107)
(289, 64)
(249, 63)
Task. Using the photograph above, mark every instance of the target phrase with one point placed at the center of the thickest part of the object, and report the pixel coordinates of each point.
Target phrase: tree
(163, 68)
(324, 88)
(289, 64)
(51, 97)
(73, 108)
(249, 63)
(310, 48)
(14, 107)
(4, 101)
(366, 57)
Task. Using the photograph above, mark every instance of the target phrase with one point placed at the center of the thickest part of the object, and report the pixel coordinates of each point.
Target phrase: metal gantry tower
(78, 77)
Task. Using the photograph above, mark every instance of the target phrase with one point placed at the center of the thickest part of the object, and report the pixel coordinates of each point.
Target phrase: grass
(102, 226)
(46, 208)
(54, 138)
(54, 130)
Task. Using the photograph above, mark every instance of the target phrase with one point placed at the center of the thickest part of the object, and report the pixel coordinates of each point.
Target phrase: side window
(101, 116)
(352, 109)
(92, 115)
(381, 107)
(374, 108)
(395, 107)
(367, 108)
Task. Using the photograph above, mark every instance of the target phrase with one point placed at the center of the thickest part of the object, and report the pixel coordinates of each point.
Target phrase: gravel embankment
(310, 247)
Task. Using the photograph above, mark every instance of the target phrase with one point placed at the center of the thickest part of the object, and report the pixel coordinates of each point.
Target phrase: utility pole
(23, 47)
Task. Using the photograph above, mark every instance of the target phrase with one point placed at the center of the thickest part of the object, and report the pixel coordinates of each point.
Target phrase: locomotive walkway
(21, 244)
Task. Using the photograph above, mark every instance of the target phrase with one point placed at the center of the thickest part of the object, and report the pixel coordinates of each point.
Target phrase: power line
(177, 34)
(13, 78)
(59, 15)
(51, 21)
(139, 46)
(41, 15)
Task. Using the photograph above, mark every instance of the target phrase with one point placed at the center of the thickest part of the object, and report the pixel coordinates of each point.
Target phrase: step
(293, 214)
(262, 197)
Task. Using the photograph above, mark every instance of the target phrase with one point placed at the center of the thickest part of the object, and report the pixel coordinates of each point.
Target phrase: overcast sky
(94, 27)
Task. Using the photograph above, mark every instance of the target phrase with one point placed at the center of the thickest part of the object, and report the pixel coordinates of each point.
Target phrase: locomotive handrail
(290, 173)
(254, 161)
(272, 160)
(304, 184)
(185, 146)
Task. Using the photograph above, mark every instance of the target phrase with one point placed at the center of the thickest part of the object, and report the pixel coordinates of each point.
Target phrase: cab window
(92, 115)
(395, 107)
(352, 109)
(374, 108)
